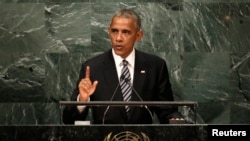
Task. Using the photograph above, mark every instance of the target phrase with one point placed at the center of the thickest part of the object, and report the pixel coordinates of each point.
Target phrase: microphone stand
(137, 94)
(112, 97)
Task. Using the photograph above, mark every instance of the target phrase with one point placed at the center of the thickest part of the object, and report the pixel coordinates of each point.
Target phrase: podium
(178, 132)
(192, 105)
(175, 131)
(118, 132)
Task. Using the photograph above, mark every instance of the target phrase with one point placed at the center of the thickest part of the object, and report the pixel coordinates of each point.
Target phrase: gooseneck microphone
(111, 99)
(133, 89)
(137, 94)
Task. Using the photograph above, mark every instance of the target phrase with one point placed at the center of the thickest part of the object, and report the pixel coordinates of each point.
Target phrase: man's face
(123, 34)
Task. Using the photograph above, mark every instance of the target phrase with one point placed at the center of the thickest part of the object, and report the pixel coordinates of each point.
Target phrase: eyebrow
(124, 30)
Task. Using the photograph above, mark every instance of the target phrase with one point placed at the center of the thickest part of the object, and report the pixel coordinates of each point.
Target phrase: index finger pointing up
(87, 74)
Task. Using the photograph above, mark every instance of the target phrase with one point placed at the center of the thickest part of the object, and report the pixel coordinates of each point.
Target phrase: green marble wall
(43, 42)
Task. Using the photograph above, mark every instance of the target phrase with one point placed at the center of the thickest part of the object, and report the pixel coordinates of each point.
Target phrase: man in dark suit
(100, 76)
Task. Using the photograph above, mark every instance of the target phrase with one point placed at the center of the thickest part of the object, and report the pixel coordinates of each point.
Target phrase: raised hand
(86, 86)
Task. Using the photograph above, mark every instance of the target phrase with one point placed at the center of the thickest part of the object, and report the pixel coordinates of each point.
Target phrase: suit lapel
(110, 74)
(140, 72)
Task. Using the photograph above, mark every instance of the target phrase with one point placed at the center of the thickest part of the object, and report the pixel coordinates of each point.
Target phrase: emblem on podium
(127, 136)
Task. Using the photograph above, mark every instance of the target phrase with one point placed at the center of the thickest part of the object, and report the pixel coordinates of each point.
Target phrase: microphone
(112, 97)
(137, 94)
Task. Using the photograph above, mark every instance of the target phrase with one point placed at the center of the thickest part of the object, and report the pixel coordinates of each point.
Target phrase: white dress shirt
(119, 64)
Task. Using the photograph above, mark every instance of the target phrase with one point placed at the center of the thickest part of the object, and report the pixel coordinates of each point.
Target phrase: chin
(117, 52)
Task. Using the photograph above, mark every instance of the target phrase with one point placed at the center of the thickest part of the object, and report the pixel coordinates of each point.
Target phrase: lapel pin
(143, 71)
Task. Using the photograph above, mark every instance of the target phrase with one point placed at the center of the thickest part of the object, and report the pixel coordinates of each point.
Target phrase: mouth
(118, 47)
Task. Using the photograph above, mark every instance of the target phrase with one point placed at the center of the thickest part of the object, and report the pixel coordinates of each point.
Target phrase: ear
(139, 35)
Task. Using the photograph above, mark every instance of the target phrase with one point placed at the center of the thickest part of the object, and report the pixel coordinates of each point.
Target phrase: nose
(119, 37)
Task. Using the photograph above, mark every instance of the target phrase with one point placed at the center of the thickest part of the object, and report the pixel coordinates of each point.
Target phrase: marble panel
(43, 43)
(22, 42)
(30, 113)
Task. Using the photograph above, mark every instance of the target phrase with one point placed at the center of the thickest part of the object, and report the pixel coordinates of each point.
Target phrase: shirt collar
(130, 58)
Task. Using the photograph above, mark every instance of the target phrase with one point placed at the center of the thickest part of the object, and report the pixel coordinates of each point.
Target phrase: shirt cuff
(81, 107)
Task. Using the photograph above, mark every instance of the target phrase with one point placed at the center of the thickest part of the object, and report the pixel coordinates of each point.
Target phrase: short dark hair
(129, 13)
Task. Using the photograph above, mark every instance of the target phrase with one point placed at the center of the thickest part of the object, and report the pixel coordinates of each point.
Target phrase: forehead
(123, 23)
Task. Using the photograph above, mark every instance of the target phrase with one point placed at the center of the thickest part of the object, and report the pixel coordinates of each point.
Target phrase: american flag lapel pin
(143, 71)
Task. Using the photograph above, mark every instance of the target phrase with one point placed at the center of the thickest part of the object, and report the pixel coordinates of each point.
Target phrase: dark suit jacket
(153, 85)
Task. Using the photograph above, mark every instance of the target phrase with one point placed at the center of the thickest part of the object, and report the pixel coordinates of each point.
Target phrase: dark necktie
(125, 83)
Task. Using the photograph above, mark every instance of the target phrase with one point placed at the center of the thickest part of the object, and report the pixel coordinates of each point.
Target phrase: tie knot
(125, 62)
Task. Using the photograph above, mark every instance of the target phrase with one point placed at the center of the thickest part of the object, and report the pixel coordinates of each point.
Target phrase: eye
(114, 30)
(126, 32)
